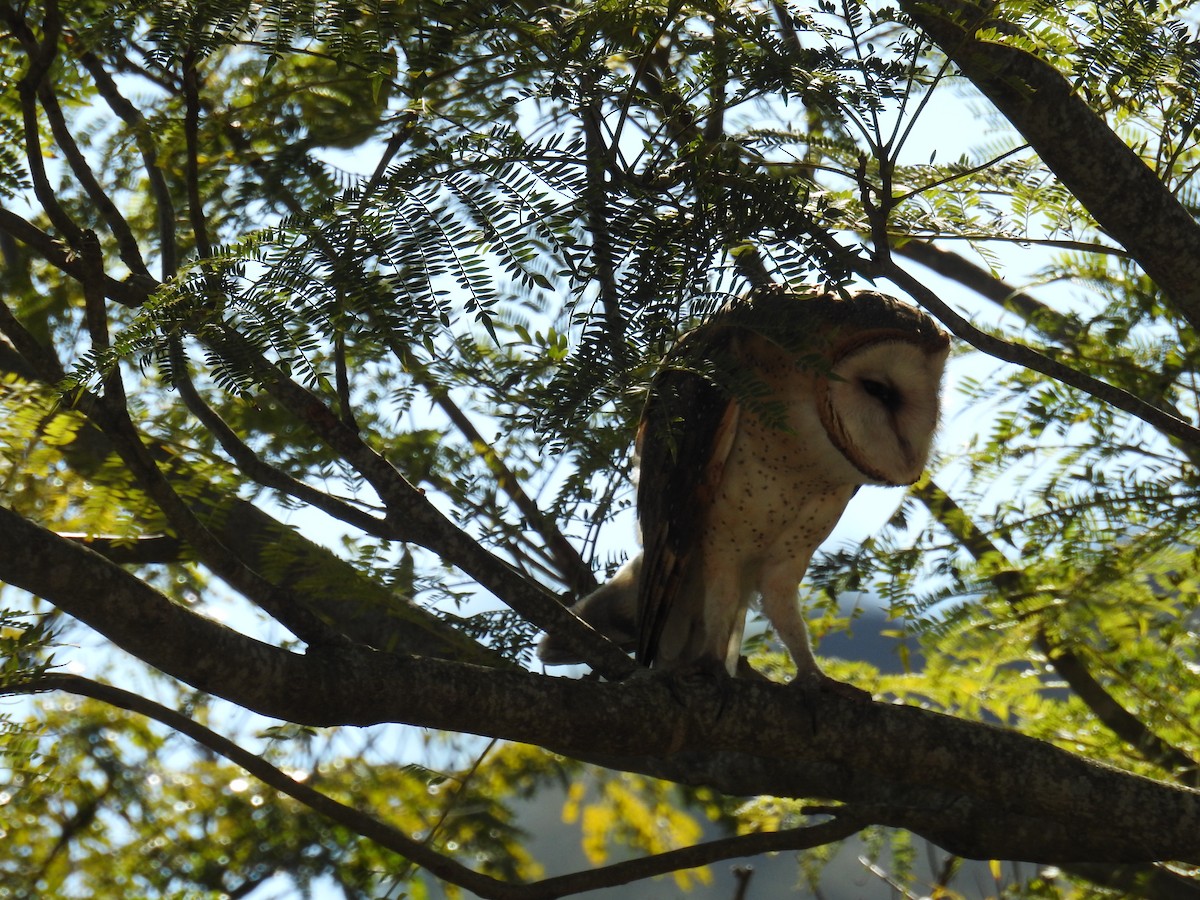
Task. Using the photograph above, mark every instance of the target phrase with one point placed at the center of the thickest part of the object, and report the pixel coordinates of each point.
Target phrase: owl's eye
(883, 392)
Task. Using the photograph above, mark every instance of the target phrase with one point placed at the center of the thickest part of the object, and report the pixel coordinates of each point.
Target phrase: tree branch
(131, 293)
(595, 197)
(41, 58)
(412, 517)
(132, 116)
(415, 519)
(977, 790)
(1024, 356)
(419, 852)
(357, 822)
(1048, 321)
(130, 252)
(191, 131)
(1123, 194)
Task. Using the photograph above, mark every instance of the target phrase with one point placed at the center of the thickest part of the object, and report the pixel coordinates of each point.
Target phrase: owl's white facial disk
(882, 408)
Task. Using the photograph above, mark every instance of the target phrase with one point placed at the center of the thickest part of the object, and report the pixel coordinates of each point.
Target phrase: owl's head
(882, 392)
(875, 366)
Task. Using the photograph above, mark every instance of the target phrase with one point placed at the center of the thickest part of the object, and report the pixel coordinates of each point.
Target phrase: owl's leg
(779, 587)
(704, 631)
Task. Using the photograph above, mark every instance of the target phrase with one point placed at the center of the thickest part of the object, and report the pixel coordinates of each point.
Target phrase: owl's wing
(684, 439)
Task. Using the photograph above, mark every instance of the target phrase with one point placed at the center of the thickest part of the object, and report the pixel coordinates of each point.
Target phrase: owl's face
(881, 402)
(860, 378)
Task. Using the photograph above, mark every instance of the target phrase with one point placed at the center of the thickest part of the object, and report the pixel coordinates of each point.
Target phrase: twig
(132, 116)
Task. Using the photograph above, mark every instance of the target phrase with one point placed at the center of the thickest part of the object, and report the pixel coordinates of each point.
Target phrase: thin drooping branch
(974, 789)
(41, 58)
(1066, 662)
(130, 252)
(1029, 358)
(107, 88)
(571, 568)
(784, 841)
(1045, 319)
(577, 574)
(356, 821)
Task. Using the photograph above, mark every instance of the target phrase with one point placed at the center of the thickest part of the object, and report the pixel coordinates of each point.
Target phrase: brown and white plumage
(758, 429)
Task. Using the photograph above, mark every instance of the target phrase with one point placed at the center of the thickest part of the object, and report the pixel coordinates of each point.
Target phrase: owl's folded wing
(684, 440)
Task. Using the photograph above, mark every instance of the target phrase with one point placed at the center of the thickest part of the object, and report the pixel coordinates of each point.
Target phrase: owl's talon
(819, 681)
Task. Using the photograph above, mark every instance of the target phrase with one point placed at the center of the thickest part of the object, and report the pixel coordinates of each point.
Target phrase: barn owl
(758, 429)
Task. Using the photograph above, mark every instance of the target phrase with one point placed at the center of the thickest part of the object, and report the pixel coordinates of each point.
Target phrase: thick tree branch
(1147, 882)
(419, 852)
(365, 611)
(1113, 183)
(976, 790)
(154, 549)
